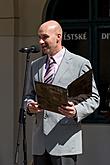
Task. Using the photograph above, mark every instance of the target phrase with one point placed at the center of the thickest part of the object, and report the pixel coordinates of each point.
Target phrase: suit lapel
(64, 66)
(41, 77)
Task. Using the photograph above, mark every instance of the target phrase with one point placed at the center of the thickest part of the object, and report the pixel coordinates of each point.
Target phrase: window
(103, 9)
(86, 26)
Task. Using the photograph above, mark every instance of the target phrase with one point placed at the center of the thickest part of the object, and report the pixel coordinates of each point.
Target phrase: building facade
(86, 26)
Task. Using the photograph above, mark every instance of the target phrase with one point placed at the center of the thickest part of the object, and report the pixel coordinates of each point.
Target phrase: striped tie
(49, 75)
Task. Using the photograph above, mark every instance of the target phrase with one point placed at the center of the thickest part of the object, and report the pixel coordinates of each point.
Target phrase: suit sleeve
(30, 90)
(88, 105)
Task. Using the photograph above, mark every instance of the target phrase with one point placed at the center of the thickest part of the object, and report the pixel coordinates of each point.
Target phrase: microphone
(31, 49)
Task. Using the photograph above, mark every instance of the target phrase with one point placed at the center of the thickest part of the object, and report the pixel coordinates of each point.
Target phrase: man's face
(48, 39)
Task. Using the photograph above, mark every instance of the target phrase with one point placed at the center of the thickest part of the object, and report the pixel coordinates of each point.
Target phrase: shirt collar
(58, 57)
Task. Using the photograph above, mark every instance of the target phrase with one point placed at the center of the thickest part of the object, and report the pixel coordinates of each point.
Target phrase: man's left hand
(68, 110)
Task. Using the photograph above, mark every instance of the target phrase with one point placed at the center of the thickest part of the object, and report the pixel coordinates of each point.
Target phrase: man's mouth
(44, 47)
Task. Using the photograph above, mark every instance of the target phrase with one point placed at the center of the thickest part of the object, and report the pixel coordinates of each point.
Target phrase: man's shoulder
(76, 57)
(39, 60)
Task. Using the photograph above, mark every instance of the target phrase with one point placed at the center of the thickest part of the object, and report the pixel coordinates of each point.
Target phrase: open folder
(50, 96)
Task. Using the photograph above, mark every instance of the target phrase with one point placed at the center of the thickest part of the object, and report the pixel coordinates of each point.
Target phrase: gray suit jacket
(56, 133)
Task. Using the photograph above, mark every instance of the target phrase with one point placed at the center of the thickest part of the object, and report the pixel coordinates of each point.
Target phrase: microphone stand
(22, 116)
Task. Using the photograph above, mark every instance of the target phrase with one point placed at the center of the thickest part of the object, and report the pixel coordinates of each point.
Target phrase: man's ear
(59, 37)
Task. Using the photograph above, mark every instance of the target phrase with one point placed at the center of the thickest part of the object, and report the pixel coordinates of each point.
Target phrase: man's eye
(44, 37)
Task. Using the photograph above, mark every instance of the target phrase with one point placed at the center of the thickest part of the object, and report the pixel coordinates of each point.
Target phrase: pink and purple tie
(49, 75)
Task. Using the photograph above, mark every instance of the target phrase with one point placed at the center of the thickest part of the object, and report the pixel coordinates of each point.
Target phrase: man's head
(50, 37)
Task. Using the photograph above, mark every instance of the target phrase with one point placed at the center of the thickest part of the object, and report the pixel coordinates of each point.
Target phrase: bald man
(57, 137)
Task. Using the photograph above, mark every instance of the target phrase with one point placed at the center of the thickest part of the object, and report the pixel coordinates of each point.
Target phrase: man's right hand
(33, 107)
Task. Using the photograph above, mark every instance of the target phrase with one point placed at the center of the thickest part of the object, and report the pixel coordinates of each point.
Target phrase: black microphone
(31, 49)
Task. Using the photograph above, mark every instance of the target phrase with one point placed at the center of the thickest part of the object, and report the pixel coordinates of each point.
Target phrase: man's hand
(33, 107)
(68, 110)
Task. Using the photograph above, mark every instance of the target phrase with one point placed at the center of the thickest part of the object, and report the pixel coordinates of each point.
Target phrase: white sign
(75, 36)
(105, 36)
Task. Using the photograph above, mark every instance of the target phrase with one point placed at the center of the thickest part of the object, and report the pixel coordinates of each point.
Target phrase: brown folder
(50, 96)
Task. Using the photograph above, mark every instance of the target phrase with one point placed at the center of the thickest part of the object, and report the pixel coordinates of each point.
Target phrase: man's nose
(41, 41)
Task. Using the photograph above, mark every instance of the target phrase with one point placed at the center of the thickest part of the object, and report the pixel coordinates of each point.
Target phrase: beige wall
(19, 20)
(6, 83)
